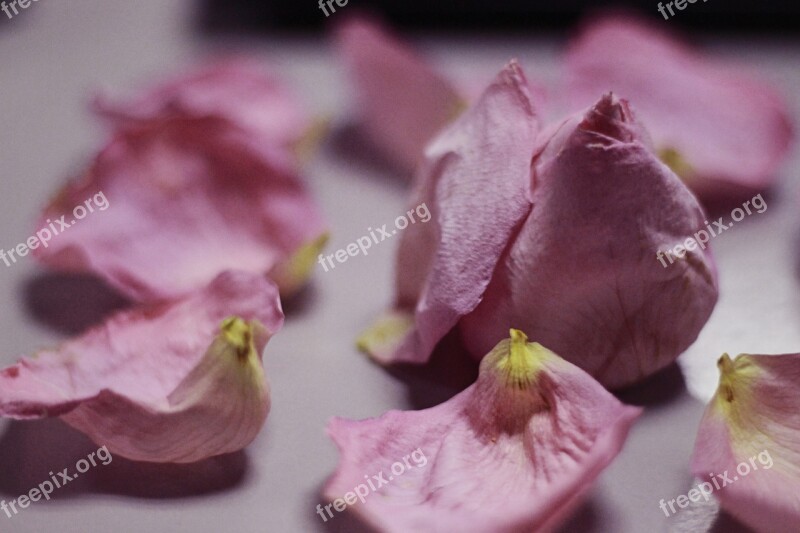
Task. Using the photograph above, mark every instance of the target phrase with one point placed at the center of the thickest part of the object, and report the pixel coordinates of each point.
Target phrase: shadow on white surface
(32, 449)
(70, 303)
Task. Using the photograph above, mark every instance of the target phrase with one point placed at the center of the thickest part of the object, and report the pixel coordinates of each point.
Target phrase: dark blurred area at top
(508, 16)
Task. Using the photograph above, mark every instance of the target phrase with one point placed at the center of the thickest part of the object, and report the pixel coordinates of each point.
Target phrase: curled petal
(515, 451)
(584, 274)
(238, 90)
(402, 101)
(750, 434)
(722, 131)
(563, 233)
(174, 382)
(476, 171)
(186, 198)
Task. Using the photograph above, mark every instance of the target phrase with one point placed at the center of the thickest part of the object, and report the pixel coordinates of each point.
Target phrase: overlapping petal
(721, 130)
(559, 233)
(583, 274)
(402, 102)
(516, 451)
(475, 181)
(237, 89)
(748, 444)
(188, 198)
(172, 382)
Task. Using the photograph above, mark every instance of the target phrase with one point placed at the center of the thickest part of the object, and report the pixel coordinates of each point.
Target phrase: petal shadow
(34, 449)
(71, 303)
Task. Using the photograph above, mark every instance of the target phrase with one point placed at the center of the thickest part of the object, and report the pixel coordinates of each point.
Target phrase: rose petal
(515, 451)
(402, 101)
(175, 382)
(582, 275)
(581, 234)
(188, 198)
(475, 183)
(719, 129)
(238, 89)
(754, 420)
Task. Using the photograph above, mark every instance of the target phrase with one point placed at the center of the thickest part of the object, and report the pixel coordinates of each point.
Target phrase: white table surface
(53, 53)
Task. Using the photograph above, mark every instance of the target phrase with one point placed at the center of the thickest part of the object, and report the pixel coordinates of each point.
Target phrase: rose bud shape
(748, 445)
(515, 451)
(237, 89)
(722, 131)
(402, 101)
(562, 235)
(171, 382)
(179, 200)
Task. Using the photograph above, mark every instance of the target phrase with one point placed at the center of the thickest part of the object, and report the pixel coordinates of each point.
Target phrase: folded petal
(176, 382)
(516, 451)
(187, 198)
(237, 89)
(748, 444)
(721, 130)
(583, 273)
(402, 101)
(475, 182)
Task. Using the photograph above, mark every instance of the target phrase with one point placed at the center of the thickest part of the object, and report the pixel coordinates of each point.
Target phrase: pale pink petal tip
(176, 382)
(516, 451)
(748, 444)
(236, 89)
(402, 101)
(723, 131)
(176, 201)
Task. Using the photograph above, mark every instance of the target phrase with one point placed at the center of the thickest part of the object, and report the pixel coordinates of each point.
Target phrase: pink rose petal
(173, 382)
(748, 444)
(188, 198)
(720, 129)
(560, 235)
(476, 171)
(239, 90)
(402, 101)
(583, 275)
(516, 451)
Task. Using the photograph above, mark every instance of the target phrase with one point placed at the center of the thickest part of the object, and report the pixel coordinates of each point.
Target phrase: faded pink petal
(516, 451)
(583, 275)
(402, 101)
(559, 235)
(751, 432)
(475, 183)
(239, 90)
(188, 198)
(175, 382)
(721, 130)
